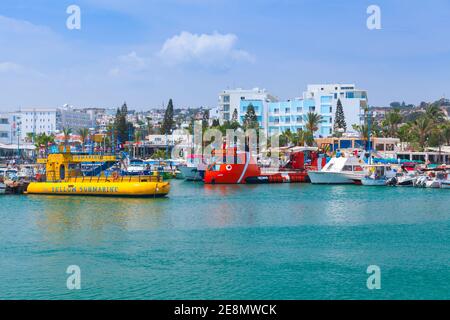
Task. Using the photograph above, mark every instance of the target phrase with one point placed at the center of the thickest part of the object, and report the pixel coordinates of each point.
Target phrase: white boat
(193, 172)
(437, 180)
(194, 168)
(378, 175)
(9, 173)
(339, 171)
(445, 184)
(403, 179)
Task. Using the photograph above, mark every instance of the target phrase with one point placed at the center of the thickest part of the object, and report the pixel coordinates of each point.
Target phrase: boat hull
(320, 177)
(373, 182)
(117, 189)
(191, 173)
(232, 174)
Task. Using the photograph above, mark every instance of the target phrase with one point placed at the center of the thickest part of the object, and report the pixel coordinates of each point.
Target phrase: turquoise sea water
(295, 241)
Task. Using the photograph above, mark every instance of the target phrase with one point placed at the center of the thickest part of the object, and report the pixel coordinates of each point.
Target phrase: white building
(214, 113)
(51, 120)
(278, 116)
(230, 100)
(8, 128)
(325, 98)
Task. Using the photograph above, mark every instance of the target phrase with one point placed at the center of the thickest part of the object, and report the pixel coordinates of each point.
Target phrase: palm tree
(84, 133)
(67, 132)
(422, 128)
(29, 137)
(362, 129)
(289, 136)
(391, 122)
(404, 133)
(446, 132)
(312, 122)
(300, 138)
(435, 114)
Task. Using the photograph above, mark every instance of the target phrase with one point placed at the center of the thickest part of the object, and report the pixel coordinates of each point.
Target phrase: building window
(276, 110)
(226, 99)
(299, 109)
(3, 121)
(287, 110)
(312, 109)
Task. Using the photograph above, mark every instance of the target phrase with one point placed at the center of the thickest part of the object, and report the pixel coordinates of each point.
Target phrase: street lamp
(18, 141)
(369, 132)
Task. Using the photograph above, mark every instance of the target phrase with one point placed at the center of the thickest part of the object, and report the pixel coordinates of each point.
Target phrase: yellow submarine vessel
(63, 177)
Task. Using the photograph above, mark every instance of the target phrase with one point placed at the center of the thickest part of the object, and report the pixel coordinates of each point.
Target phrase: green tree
(391, 122)
(250, 118)
(66, 133)
(404, 132)
(29, 137)
(339, 119)
(312, 125)
(312, 122)
(43, 139)
(84, 133)
(168, 122)
(421, 129)
(160, 154)
(234, 117)
(435, 114)
(205, 119)
(446, 133)
(121, 125)
(215, 123)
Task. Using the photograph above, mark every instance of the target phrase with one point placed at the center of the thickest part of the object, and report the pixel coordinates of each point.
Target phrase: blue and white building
(276, 116)
(239, 99)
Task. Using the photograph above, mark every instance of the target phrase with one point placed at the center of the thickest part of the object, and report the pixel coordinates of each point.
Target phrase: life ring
(229, 167)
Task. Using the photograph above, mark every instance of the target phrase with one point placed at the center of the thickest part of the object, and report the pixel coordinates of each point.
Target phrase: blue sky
(145, 52)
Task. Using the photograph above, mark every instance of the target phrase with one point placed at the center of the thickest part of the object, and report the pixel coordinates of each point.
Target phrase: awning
(29, 147)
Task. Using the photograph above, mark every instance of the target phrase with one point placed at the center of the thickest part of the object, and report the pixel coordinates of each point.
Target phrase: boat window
(330, 166)
(357, 168)
(347, 168)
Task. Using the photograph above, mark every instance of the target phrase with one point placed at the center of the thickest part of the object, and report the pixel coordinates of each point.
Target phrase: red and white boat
(242, 168)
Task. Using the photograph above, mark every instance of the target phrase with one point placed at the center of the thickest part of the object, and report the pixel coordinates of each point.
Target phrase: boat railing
(101, 178)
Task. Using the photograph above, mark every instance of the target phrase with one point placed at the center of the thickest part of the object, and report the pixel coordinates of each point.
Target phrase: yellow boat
(63, 178)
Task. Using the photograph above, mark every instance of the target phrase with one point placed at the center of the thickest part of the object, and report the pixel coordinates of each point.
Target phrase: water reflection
(61, 217)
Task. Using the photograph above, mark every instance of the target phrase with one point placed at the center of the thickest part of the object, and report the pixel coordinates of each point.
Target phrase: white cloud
(217, 50)
(133, 60)
(130, 62)
(6, 67)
